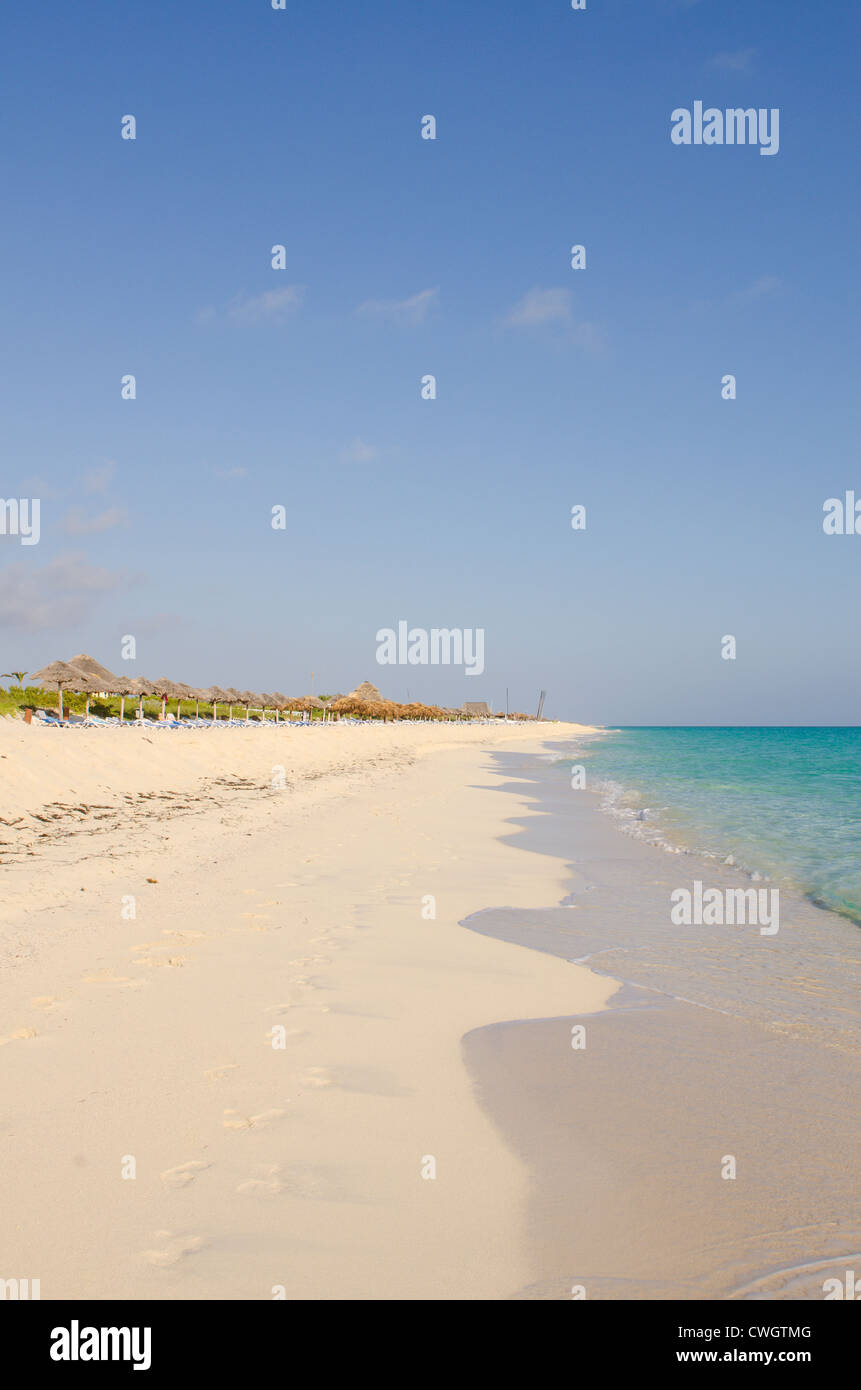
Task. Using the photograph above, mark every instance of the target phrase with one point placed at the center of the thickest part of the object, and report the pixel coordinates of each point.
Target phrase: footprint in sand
(260, 921)
(184, 1173)
(233, 1120)
(107, 977)
(300, 1181)
(270, 1185)
(219, 1073)
(368, 1081)
(176, 1247)
(45, 1001)
(155, 962)
(18, 1036)
(318, 1077)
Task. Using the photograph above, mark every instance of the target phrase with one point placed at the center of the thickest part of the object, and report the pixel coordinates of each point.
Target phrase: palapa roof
(140, 686)
(366, 691)
(60, 673)
(105, 679)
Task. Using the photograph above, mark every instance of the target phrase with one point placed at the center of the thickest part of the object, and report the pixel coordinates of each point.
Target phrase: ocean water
(781, 804)
(720, 1040)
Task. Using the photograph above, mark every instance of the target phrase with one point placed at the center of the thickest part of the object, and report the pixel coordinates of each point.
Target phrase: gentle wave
(777, 804)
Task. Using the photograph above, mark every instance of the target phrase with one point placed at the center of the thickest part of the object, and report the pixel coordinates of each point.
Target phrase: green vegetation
(13, 700)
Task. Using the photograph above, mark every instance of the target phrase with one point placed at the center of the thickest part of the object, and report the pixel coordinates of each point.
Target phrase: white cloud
(762, 288)
(99, 479)
(359, 452)
(766, 284)
(412, 310)
(271, 306)
(231, 473)
(76, 522)
(739, 61)
(541, 306)
(53, 595)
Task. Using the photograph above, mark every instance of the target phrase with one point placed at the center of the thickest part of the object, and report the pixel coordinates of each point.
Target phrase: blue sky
(405, 257)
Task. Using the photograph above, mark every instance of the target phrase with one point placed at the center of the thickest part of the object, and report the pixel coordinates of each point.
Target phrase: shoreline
(714, 1046)
(282, 1039)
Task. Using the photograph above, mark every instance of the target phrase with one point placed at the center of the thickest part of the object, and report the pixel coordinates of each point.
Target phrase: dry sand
(295, 916)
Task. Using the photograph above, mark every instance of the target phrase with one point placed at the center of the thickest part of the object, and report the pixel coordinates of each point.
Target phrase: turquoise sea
(779, 803)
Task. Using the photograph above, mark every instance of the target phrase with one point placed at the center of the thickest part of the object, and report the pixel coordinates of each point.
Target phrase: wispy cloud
(231, 473)
(541, 306)
(359, 452)
(270, 306)
(76, 522)
(762, 288)
(740, 61)
(590, 336)
(53, 595)
(765, 285)
(99, 479)
(538, 308)
(412, 310)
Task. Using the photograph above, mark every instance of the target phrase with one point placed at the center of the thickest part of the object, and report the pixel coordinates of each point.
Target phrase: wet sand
(723, 1044)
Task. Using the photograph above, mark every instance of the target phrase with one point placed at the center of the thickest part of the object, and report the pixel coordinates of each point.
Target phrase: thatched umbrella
(198, 693)
(308, 703)
(88, 685)
(366, 691)
(56, 676)
(216, 696)
(106, 680)
(233, 697)
(141, 687)
(102, 679)
(165, 688)
(183, 692)
(346, 704)
(275, 701)
(123, 686)
(247, 698)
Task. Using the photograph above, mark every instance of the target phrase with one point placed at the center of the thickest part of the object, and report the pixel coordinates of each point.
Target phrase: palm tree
(19, 676)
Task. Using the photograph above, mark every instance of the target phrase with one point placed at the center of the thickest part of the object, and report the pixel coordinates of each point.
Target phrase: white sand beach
(272, 1043)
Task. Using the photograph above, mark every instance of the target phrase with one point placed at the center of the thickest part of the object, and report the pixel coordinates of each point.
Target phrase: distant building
(478, 708)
